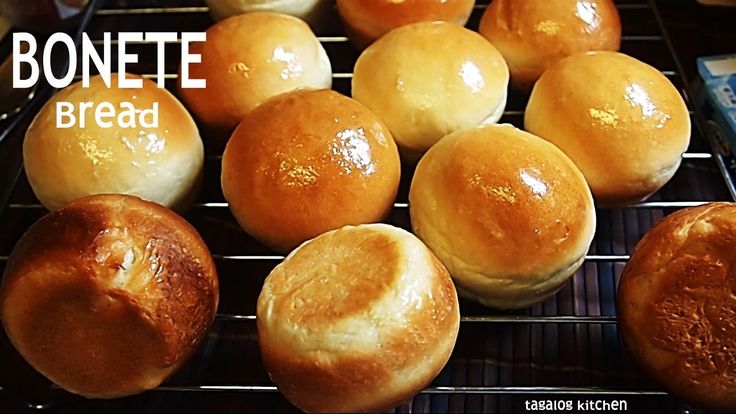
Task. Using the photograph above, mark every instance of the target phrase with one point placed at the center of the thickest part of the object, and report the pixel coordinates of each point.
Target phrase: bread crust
(162, 164)
(357, 320)
(247, 59)
(533, 34)
(367, 20)
(108, 295)
(307, 162)
(620, 120)
(507, 212)
(422, 98)
(677, 305)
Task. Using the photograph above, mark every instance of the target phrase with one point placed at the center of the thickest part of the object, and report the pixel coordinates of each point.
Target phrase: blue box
(716, 99)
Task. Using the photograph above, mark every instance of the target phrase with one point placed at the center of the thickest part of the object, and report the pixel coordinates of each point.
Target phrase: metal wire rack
(564, 349)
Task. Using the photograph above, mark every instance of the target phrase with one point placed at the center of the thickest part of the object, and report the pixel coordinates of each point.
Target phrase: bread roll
(307, 162)
(426, 80)
(162, 164)
(367, 20)
(312, 11)
(507, 212)
(676, 305)
(533, 34)
(620, 120)
(357, 320)
(248, 59)
(108, 295)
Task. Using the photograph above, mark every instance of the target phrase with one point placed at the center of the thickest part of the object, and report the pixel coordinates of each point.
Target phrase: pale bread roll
(427, 80)
(162, 163)
(357, 319)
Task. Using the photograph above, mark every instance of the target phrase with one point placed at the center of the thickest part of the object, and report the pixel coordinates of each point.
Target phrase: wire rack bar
(697, 155)
(197, 9)
(173, 76)
(518, 319)
(222, 204)
(152, 10)
(344, 39)
(595, 258)
(685, 156)
(115, 42)
(439, 390)
(541, 390)
(221, 257)
(336, 75)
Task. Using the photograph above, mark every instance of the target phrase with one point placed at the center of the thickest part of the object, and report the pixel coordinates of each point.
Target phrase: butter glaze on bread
(246, 60)
(534, 34)
(307, 162)
(621, 121)
(508, 213)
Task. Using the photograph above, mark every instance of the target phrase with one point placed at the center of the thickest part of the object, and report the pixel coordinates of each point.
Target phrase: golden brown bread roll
(357, 319)
(312, 11)
(367, 20)
(307, 162)
(108, 295)
(534, 34)
(162, 164)
(426, 80)
(507, 212)
(677, 307)
(248, 59)
(621, 121)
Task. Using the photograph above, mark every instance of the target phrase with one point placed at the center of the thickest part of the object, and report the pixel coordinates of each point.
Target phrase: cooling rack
(565, 349)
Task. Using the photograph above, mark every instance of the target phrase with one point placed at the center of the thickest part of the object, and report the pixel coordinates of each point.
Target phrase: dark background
(502, 359)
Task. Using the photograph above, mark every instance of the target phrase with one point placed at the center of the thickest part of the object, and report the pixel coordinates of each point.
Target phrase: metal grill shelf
(567, 347)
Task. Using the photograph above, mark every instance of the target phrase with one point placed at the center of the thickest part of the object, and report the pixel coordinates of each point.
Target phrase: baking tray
(565, 349)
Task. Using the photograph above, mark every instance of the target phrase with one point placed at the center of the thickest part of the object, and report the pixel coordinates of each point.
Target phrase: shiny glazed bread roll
(426, 80)
(108, 295)
(248, 59)
(507, 212)
(307, 162)
(533, 34)
(162, 164)
(621, 121)
(367, 20)
(357, 319)
(676, 305)
(311, 11)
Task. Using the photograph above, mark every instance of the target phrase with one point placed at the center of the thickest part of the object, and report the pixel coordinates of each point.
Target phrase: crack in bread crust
(677, 304)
